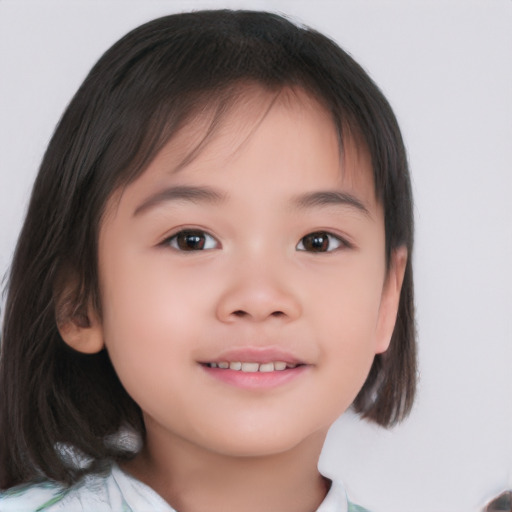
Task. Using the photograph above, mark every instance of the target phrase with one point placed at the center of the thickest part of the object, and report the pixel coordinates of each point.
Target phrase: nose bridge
(258, 290)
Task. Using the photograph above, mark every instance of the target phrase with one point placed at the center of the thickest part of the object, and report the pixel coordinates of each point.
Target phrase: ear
(390, 299)
(79, 327)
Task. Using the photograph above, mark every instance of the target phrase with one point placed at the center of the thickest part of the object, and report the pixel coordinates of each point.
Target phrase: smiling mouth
(252, 367)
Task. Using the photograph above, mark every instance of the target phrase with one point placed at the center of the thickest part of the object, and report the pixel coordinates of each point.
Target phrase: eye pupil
(190, 241)
(316, 242)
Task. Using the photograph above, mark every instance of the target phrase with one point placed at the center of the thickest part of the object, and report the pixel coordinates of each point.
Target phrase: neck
(193, 479)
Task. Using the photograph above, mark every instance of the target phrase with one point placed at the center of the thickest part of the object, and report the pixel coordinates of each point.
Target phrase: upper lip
(256, 355)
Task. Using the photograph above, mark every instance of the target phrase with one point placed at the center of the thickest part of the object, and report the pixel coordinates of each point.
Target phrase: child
(216, 262)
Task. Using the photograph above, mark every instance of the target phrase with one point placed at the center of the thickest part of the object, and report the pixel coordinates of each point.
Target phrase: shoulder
(337, 501)
(93, 492)
(30, 497)
(111, 491)
(352, 507)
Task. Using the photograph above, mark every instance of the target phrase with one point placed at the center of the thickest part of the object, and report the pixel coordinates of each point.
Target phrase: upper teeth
(252, 367)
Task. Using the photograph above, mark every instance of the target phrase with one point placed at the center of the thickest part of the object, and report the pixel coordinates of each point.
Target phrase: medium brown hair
(141, 93)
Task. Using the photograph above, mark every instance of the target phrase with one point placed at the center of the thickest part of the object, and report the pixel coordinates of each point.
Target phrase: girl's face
(266, 250)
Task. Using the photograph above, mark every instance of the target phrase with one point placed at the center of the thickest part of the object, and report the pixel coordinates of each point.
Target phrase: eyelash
(321, 239)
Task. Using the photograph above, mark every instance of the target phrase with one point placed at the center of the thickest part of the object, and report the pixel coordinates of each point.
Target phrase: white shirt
(117, 491)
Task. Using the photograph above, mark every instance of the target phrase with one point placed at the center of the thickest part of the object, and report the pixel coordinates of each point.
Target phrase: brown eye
(192, 240)
(319, 241)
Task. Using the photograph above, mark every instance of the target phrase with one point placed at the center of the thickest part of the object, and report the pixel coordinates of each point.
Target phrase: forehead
(268, 129)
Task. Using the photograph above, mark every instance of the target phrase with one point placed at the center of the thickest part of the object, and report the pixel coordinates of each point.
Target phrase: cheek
(347, 322)
(350, 298)
(150, 322)
(150, 312)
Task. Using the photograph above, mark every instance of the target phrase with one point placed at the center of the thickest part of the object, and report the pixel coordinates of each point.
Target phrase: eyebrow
(328, 198)
(192, 194)
(197, 194)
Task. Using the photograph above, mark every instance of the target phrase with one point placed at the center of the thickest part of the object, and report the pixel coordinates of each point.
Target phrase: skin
(212, 445)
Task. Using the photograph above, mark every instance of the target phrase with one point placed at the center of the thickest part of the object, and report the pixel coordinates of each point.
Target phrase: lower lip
(255, 380)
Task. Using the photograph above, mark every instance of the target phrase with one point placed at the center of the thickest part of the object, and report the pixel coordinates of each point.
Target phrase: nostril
(240, 313)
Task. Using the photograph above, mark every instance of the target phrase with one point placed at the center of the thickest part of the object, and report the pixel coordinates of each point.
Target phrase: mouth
(255, 369)
(252, 366)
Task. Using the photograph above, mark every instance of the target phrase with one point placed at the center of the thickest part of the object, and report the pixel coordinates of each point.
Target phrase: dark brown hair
(140, 93)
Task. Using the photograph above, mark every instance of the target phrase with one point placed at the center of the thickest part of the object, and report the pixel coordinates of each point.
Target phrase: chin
(261, 442)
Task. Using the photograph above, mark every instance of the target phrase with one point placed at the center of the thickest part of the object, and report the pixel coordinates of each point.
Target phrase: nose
(256, 295)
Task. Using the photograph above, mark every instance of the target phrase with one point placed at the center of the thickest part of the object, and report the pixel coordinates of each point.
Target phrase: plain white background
(446, 67)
